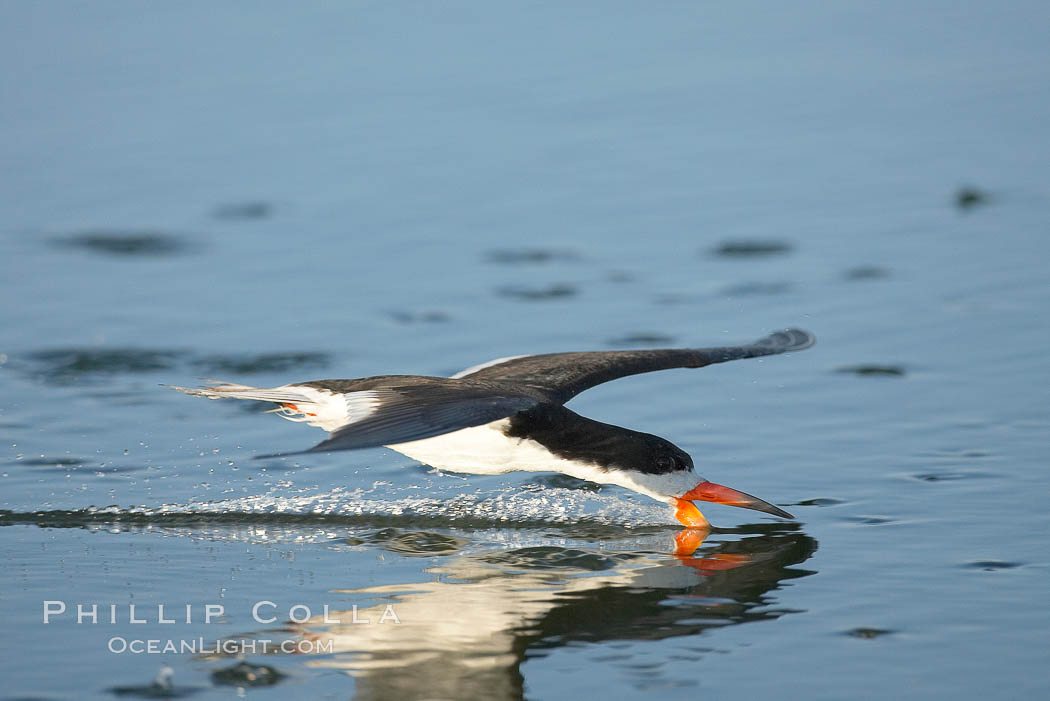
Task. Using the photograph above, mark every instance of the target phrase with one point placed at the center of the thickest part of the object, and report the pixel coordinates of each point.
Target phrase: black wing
(410, 412)
(564, 375)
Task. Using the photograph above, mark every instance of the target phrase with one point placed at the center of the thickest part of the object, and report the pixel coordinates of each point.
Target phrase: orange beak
(690, 516)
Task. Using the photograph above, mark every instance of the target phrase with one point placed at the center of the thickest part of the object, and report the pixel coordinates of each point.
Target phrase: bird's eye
(666, 462)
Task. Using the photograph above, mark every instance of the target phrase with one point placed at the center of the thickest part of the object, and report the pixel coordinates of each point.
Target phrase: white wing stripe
(474, 368)
(360, 405)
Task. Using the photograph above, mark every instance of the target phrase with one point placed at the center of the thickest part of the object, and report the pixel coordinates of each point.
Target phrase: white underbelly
(487, 450)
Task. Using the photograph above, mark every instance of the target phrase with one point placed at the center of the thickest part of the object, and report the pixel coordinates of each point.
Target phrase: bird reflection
(466, 633)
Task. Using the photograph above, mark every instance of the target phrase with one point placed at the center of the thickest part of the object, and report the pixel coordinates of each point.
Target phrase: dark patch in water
(992, 565)
(949, 476)
(161, 688)
(538, 294)
(757, 288)
(873, 370)
(620, 276)
(127, 243)
(53, 462)
(246, 674)
(969, 197)
(819, 501)
(417, 543)
(949, 454)
(751, 249)
(63, 366)
(554, 558)
(641, 339)
(425, 317)
(68, 365)
(667, 300)
(866, 272)
(870, 520)
(566, 482)
(868, 633)
(529, 256)
(265, 362)
(243, 210)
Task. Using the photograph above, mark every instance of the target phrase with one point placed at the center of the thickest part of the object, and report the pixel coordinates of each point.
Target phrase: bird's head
(666, 471)
(642, 462)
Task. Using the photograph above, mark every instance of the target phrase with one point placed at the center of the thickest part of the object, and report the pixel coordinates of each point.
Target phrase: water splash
(307, 514)
(528, 505)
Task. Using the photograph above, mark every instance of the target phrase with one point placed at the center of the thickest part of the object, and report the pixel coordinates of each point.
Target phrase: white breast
(484, 450)
(487, 450)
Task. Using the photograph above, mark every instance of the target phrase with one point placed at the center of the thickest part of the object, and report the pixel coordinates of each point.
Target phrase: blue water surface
(266, 194)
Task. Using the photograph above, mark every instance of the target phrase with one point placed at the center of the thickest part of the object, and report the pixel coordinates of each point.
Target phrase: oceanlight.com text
(135, 646)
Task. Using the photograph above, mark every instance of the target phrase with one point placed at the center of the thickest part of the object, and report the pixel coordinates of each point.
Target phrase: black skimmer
(509, 414)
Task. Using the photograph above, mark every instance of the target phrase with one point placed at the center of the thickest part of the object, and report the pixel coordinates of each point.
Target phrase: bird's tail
(230, 390)
(295, 402)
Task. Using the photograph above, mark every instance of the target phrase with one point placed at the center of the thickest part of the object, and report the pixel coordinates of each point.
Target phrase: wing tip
(788, 340)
